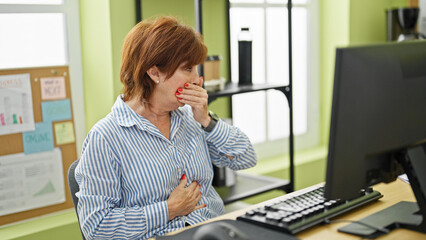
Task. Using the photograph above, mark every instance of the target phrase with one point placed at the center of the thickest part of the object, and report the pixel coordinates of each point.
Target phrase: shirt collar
(126, 117)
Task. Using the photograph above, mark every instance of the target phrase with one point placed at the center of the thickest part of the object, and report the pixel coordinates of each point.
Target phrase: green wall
(216, 38)
(182, 9)
(333, 14)
(96, 58)
(104, 25)
(63, 226)
(123, 18)
(368, 20)
(344, 23)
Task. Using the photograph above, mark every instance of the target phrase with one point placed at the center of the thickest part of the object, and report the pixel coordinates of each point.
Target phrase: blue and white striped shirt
(128, 169)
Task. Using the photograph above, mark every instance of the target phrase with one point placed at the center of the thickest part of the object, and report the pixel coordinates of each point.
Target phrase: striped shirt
(128, 169)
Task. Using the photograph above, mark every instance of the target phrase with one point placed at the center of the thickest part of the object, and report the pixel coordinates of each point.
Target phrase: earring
(158, 81)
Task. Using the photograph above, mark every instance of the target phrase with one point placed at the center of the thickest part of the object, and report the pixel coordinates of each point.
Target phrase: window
(39, 33)
(32, 40)
(36, 2)
(264, 116)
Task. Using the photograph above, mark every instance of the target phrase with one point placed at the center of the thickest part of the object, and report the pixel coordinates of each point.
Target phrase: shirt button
(179, 169)
(170, 146)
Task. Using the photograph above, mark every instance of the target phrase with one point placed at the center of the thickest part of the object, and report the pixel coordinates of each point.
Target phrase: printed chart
(31, 181)
(16, 104)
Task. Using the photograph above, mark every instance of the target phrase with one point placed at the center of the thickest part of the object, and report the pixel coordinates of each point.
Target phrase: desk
(393, 193)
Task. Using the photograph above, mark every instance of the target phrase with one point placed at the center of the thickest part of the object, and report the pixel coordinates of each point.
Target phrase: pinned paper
(31, 181)
(64, 133)
(39, 140)
(16, 104)
(56, 110)
(52, 88)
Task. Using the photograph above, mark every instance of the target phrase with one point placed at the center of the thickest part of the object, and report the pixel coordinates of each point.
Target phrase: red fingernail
(183, 177)
(186, 84)
(179, 89)
(179, 98)
(205, 205)
(177, 93)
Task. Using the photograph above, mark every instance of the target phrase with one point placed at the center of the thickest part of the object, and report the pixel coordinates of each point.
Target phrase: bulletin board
(12, 144)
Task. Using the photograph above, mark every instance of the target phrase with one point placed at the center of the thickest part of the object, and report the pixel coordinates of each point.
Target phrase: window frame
(312, 137)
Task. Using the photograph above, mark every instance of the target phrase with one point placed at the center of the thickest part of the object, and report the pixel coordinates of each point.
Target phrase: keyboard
(303, 209)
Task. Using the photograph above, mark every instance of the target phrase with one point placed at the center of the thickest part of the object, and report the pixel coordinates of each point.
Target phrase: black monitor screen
(378, 109)
(378, 128)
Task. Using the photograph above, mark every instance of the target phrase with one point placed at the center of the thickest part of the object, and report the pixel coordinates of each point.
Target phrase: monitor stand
(408, 215)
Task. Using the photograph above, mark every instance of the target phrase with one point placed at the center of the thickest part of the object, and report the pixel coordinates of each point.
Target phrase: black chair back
(74, 188)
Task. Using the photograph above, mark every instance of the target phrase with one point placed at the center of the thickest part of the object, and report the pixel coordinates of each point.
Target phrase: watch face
(213, 116)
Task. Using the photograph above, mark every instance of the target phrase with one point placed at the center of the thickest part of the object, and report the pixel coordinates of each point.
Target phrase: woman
(146, 168)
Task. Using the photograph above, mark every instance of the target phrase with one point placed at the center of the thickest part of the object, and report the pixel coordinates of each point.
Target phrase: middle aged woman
(146, 168)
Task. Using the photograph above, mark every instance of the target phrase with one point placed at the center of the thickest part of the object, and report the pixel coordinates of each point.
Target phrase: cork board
(13, 143)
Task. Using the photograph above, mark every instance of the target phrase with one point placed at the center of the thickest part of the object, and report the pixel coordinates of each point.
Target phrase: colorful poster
(64, 133)
(56, 110)
(16, 104)
(31, 181)
(52, 88)
(39, 140)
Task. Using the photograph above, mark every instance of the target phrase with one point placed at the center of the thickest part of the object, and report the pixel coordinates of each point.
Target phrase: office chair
(74, 188)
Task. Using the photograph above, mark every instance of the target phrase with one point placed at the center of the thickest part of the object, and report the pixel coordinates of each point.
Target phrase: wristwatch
(213, 120)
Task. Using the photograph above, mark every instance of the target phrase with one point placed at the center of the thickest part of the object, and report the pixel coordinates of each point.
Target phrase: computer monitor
(378, 122)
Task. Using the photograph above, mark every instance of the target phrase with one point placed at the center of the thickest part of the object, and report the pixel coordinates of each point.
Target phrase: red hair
(163, 42)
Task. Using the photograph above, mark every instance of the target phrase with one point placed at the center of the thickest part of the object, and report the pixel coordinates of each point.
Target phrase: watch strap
(213, 121)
